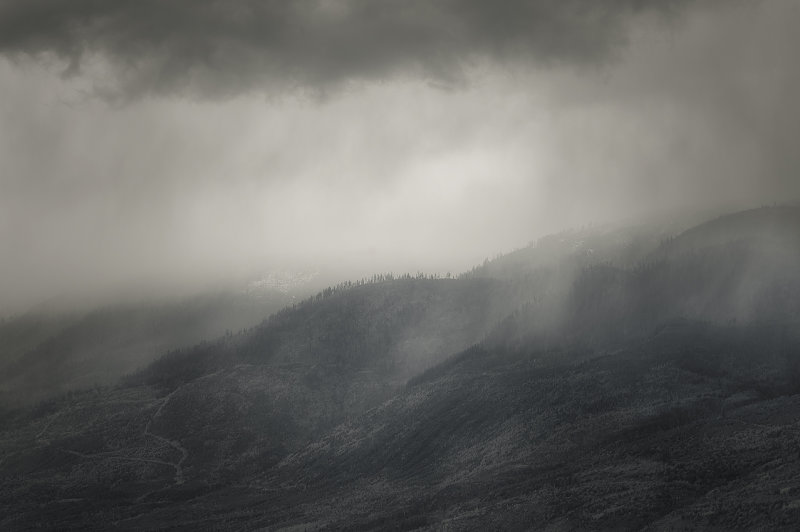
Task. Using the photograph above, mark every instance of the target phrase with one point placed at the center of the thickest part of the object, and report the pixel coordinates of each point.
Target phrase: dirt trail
(114, 456)
(40, 435)
(179, 478)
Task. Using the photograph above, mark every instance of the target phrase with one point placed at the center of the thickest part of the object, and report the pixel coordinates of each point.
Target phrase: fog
(185, 144)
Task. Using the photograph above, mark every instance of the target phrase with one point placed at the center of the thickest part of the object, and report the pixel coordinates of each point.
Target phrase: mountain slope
(566, 391)
(45, 354)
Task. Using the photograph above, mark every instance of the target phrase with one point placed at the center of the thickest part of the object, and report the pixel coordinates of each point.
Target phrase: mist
(408, 264)
(188, 152)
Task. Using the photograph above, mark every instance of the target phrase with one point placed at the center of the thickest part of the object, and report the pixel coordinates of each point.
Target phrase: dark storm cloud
(216, 48)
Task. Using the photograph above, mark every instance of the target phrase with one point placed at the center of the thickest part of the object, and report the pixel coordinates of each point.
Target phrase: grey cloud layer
(215, 48)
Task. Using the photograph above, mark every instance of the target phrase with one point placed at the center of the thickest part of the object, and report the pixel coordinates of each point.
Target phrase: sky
(177, 143)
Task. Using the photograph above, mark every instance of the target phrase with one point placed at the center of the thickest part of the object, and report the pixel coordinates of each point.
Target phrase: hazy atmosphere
(399, 265)
(190, 142)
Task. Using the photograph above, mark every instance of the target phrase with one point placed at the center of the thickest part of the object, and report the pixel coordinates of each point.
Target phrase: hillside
(45, 353)
(649, 383)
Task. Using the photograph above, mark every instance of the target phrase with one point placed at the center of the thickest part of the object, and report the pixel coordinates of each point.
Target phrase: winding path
(115, 455)
(179, 478)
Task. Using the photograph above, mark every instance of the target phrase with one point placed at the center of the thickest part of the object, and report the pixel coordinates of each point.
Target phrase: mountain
(600, 379)
(45, 352)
